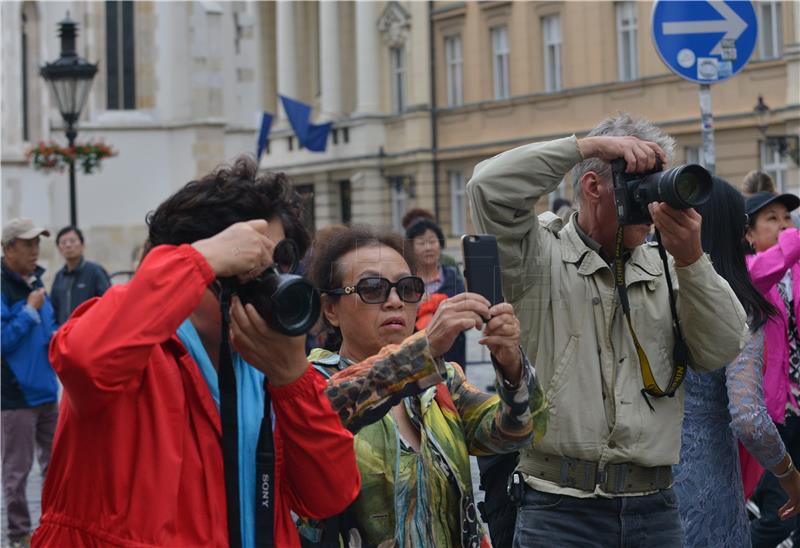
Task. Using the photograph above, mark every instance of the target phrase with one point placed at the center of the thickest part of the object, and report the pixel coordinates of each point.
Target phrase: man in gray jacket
(601, 475)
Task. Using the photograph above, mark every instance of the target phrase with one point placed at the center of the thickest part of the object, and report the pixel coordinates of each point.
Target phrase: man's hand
(242, 249)
(36, 298)
(501, 337)
(282, 359)
(680, 232)
(640, 155)
(456, 314)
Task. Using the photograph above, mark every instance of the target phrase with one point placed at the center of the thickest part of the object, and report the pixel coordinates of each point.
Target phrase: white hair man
(602, 471)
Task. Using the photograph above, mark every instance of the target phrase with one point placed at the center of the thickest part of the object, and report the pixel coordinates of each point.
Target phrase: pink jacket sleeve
(768, 267)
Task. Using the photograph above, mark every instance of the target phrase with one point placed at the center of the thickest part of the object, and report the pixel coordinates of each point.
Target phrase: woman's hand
(454, 315)
(281, 358)
(791, 485)
(501, 337)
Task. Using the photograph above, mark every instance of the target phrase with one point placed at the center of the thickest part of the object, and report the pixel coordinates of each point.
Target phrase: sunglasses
(375, 290)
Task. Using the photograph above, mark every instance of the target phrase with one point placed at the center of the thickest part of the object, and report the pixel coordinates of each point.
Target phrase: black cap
(761, 199)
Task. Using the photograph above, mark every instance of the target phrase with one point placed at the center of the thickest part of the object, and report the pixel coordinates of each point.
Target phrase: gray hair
(621, 125)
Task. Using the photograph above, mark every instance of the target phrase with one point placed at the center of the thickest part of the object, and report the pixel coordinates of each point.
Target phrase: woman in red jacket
(137, 459)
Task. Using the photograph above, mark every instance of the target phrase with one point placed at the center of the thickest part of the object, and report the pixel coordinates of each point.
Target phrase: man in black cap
(29, 386)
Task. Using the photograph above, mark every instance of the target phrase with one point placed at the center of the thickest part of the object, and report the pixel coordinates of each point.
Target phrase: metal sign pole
(707, 125)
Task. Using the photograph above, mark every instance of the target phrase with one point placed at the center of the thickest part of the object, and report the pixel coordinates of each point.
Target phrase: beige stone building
(418, 93)
(509, 73)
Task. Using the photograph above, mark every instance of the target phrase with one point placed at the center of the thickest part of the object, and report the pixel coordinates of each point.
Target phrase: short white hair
(621, 125)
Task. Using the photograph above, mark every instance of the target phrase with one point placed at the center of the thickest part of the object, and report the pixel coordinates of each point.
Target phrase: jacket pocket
(561, 374)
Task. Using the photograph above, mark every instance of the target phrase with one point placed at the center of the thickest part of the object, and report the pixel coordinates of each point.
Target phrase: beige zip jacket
(573, 327)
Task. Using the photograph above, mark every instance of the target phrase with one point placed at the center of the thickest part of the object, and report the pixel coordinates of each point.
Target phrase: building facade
(418, 93)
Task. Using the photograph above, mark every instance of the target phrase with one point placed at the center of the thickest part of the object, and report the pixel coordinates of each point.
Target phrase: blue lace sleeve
(750, 421)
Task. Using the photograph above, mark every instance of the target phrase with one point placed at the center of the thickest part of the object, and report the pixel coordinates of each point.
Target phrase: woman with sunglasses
(413, 453)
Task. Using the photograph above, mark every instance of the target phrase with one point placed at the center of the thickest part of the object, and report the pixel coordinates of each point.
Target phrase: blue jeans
(558, 520)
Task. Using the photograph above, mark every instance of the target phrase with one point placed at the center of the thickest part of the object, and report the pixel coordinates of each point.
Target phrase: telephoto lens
(681, 187)
(287, 302)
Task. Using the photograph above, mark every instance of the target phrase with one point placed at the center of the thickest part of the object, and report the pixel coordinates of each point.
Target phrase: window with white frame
(458, 203)
(500, 62)
(551, 31)
(398, 64)
(627, 42)
(454, 63)
(398, 203)
(694, 155)
(774, 165)
(770, 37)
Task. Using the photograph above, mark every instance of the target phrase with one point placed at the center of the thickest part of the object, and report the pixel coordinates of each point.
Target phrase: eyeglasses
(375, 290)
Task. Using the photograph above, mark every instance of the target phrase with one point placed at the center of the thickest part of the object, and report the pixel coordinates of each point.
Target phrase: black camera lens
(287, 302)
(682, 187)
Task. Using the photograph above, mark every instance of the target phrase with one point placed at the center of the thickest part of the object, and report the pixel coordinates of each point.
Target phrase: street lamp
(70, 77)
(785, 145)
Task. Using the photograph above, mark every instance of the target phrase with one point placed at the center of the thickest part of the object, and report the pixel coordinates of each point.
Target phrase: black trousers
(769, 530)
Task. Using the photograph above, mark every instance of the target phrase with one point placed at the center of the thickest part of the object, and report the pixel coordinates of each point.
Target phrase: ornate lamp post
(70, 77)
(785, 145)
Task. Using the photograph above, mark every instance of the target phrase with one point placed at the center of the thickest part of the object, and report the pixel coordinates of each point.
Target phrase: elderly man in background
(29, 386)
(601, 476)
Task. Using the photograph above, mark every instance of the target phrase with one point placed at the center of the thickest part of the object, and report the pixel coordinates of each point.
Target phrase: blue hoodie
(28, 379)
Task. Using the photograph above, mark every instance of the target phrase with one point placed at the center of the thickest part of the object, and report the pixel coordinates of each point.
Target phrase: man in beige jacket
(601, 476)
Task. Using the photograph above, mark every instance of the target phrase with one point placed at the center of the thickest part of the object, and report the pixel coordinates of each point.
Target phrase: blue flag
(266, 123)
(314, 137)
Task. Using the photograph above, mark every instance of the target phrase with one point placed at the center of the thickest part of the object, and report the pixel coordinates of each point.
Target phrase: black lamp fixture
(70, 77)
(786, 145)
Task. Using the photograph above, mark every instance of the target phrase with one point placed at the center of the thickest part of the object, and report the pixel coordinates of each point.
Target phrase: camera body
(681, 187)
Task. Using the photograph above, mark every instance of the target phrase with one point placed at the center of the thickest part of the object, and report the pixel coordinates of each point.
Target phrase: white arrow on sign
(733, 25)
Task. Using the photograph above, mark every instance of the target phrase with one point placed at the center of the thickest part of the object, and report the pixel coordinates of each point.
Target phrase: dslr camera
(287, 302)
(681, 187)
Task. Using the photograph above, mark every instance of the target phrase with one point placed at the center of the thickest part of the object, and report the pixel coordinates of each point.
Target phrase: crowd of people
(169, 411)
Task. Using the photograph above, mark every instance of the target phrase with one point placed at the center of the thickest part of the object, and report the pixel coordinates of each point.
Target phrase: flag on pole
(261, 145)
(314, 137)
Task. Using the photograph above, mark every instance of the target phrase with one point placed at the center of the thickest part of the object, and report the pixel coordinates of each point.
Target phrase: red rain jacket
(137, 457)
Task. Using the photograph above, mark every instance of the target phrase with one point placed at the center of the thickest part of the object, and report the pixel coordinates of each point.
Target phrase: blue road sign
(705, 42)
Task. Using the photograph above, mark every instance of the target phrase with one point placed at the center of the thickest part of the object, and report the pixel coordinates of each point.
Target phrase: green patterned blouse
(421, 499)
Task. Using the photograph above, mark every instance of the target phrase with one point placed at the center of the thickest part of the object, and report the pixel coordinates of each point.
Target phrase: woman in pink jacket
(775, 270)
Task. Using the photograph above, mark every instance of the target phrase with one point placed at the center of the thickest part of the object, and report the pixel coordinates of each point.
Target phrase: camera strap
(228, 410)
(680, 353)
(265, 451)
(265, 479)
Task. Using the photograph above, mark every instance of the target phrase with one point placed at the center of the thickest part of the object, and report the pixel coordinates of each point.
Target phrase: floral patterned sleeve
(750, 421)
(500, 423)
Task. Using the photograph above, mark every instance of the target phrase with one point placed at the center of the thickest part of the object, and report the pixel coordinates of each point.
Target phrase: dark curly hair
(325, 271)
(230, 194)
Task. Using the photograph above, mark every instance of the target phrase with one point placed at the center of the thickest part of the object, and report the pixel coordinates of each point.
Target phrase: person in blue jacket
(29, 398)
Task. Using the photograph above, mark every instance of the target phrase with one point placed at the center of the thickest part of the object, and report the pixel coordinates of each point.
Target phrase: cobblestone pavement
(479, 372)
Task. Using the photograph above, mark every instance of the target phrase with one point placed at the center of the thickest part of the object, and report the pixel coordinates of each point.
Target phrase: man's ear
(329, 310)
(591, 186)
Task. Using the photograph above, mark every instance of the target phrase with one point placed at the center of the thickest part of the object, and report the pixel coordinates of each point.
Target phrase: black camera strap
(228, 410)
(680, 353)
(265, 479)
(265, 452)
